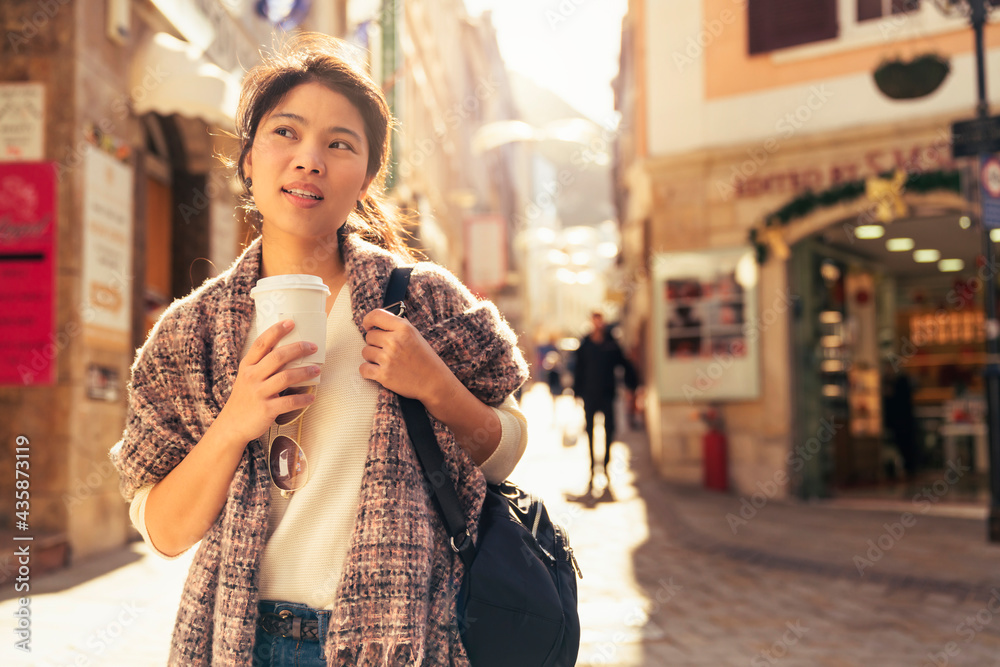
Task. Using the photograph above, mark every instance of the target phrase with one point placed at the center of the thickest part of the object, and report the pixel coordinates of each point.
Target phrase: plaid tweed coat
(396, 599)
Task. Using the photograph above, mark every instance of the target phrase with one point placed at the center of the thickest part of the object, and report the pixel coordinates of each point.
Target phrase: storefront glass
(889, 356)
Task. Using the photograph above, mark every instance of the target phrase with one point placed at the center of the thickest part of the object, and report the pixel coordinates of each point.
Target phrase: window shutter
(776, 24)
(869, 9)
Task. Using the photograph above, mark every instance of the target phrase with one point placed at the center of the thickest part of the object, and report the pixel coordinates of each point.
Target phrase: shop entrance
(889, 355)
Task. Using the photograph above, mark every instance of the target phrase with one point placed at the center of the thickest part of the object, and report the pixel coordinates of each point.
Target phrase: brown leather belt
(287, 624)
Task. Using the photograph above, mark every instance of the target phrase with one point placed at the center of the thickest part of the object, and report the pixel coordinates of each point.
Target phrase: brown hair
(314, 57)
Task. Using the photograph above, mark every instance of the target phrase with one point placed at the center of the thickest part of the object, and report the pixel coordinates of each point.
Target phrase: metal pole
(978, 16)
(992, 388)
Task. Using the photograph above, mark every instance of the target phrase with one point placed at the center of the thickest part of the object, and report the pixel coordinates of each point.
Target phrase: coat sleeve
(167, 413)
(452, 320)
(631, 374)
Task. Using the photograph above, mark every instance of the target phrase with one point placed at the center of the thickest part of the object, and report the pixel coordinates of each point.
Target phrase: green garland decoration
(809, 201)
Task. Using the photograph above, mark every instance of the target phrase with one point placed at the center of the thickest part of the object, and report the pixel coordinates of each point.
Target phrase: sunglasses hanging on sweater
(286, 461)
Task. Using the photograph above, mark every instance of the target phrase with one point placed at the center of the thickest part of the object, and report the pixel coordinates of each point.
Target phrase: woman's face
(309, 163)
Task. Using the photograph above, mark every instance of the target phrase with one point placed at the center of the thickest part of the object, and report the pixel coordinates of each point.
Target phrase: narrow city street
(776, 222)
(646, 598)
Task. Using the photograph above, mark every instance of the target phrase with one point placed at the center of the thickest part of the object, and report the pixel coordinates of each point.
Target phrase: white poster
(22, 122)
(107, 250)
(706, 333)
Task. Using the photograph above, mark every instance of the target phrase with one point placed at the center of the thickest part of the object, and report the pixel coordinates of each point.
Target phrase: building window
(776, 24)
(875, 9)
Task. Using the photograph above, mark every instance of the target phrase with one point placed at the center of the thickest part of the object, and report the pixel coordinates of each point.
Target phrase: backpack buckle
(465, 541)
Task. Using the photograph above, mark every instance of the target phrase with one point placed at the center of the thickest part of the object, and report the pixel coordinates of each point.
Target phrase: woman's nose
(309, 160)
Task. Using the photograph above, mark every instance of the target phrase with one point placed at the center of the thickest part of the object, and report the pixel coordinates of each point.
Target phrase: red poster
(28, 344)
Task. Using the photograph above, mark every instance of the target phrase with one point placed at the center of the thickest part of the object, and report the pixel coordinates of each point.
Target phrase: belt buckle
(288, 625)
(276, 624)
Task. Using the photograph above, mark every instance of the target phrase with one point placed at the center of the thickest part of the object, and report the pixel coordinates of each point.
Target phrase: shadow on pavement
(590, 499)
(76, 574)
(651, 560)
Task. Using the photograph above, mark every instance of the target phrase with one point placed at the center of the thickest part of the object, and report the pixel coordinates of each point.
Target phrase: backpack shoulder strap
(395, 289)
(418, 425)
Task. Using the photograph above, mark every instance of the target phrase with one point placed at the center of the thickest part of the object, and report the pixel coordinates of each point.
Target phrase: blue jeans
(275, 651)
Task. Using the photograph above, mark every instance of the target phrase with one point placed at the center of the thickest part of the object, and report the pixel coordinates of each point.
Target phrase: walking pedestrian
(552, 365)
(594, 381)
(351, 565)
(898, 417)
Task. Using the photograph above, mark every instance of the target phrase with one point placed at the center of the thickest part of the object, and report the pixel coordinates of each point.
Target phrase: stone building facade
(138, 103)
(728, 143)
(133, 119)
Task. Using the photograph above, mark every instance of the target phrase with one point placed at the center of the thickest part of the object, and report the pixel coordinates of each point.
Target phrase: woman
(354, 567)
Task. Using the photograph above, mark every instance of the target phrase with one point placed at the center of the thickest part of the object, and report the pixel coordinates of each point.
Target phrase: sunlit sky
(568, 46)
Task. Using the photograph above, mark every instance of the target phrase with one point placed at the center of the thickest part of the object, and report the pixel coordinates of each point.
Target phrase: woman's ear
(363, 192)
(248, 166)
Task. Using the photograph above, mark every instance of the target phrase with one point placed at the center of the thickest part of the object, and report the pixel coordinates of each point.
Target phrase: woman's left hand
(398, 358)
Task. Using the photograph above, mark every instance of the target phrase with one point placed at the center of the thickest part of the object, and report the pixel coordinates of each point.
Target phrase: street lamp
(978, 13)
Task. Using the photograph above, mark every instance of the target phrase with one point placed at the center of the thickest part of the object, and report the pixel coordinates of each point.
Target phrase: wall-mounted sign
(28, 197)
(989, 182)
(107, 251)
(975, 136)
(22, 122)
(756, 175)
(103, 383)
(706, 328)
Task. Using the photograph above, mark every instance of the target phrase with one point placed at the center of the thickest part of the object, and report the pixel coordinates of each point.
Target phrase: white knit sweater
(309, 534)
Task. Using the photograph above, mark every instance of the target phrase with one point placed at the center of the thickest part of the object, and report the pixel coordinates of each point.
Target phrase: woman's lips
(302, 200)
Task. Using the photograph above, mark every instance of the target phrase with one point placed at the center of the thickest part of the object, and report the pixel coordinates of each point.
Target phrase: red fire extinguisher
(713, 448)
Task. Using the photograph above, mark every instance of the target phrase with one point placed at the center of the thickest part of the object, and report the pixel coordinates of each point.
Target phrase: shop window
(777, 24)
(875, 9)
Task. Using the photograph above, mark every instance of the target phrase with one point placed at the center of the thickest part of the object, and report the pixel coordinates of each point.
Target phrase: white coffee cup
(299, 297)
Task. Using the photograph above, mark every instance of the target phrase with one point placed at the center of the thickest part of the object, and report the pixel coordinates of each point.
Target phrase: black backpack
(518, 601)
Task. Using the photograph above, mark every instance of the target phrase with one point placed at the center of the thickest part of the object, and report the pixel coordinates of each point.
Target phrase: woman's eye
(340, 144)
(283, 131)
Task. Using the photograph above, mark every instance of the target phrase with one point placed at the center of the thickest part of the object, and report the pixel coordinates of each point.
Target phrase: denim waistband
(305, 612)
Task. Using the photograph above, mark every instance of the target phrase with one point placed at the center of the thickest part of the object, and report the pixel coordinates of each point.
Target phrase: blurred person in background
(553, 372)
(595, 382)
(340, 558)
(898, 416)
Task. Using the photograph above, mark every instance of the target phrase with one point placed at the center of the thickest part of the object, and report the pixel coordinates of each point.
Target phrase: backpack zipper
(562, 543)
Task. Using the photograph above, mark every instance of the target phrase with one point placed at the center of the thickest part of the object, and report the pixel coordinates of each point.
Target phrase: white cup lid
(290, 281)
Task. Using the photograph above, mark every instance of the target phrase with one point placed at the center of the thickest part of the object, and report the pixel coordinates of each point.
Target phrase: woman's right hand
(256, 398)
(182, 506)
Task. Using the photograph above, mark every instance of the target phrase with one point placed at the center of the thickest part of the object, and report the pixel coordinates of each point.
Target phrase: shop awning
(171, 76)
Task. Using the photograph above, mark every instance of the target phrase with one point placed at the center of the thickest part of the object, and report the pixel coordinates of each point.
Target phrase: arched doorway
(188, 220)
(888, 348)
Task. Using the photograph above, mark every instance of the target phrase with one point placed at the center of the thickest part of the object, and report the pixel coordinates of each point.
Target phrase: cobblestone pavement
(115, 611)
(649, 599)
(650, 595)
